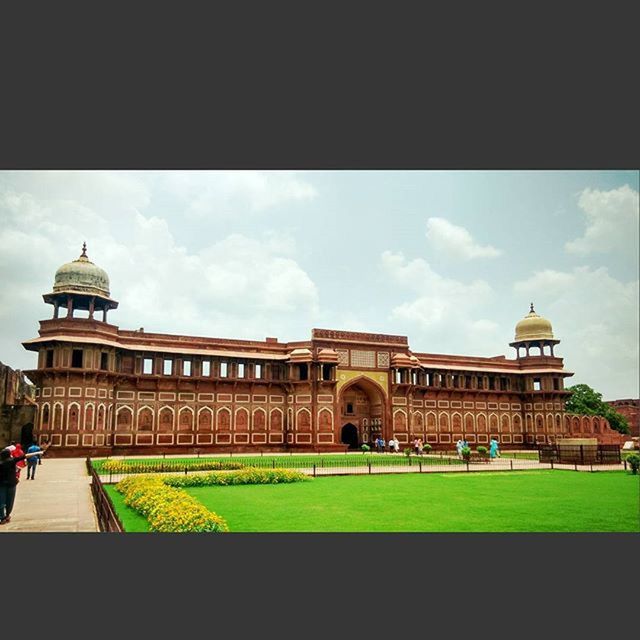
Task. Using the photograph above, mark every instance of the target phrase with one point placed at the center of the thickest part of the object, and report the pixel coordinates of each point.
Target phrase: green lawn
(447, 502)
(131, 520)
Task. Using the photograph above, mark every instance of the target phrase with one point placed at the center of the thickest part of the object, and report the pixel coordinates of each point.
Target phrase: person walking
(493, 449)
(9, 481)
(420, 445)
(33, 462)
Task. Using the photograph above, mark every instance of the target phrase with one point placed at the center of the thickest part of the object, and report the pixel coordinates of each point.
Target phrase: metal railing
(349, 465)
(580, 454)
(108, 520)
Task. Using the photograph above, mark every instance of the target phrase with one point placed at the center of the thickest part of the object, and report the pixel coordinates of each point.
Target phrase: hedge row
(137, 466)
(250, 475)
(168, 510)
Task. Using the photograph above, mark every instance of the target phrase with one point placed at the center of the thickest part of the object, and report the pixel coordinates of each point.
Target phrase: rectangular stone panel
(364, 359)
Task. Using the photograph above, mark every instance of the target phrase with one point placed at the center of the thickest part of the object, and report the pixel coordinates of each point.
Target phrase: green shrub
(427, 448)
(250, 475)
(407, 452)
(482, 450)
(466, 453)
(141, 466)
(634, 462)
(365, 448)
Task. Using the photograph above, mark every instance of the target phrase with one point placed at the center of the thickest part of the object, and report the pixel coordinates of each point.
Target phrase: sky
(450, 259)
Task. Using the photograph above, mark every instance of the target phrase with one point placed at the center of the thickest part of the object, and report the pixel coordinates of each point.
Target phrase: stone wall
(630, 409)
(17, 404)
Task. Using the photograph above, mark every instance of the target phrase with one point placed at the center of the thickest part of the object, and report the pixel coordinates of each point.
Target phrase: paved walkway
(59, 499)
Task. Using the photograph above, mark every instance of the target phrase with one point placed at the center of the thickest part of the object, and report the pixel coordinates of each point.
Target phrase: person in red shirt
(17, 452)
(9, 480)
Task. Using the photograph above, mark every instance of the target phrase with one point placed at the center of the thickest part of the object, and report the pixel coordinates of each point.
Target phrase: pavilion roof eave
(480, 369)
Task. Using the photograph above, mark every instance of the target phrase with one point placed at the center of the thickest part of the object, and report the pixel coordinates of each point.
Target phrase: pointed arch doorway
(362, 408)
(349, 435)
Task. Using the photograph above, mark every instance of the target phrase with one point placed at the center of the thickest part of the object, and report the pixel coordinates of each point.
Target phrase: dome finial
(84, 250)
(532, 310)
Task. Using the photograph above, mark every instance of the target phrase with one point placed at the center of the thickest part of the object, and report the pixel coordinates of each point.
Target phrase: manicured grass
(131, 520)
(286, 462)
(520, 455)
(447, 502)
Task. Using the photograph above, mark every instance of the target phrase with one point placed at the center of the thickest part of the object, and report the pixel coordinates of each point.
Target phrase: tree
(586, 401)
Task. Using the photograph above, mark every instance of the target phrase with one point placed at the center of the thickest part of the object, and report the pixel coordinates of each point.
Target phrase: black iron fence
(584, 454)
(318, 466)
(108, 521)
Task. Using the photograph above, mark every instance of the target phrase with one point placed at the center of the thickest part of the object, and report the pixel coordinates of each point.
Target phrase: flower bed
(141, 466)
(168, 508)
(249, 475)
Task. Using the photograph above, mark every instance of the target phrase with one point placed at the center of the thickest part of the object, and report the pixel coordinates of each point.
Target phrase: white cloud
(451, 239)
(444, 312)
(612, 221)
(596, 318)
(219, 193)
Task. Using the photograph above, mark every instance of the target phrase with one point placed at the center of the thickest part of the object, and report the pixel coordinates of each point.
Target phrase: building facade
(103, 390)
(17, 407)
(630, 409)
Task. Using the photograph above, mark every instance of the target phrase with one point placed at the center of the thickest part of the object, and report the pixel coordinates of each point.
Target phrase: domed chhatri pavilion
(103, 390)
(81, 285)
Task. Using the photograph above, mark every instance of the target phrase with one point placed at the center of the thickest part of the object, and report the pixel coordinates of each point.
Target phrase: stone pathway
(59, 499)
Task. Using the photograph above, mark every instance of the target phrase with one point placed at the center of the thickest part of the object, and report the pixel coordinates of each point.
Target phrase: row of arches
(54, 417)
(146, 418)
(580, 425)
(475, 423)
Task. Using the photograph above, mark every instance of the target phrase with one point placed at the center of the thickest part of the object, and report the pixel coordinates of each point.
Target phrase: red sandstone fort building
(103, 390)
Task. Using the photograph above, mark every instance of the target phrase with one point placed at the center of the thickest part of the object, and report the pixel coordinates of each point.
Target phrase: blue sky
(449, 258)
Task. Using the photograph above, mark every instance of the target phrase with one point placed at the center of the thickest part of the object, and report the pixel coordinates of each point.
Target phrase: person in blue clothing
(493, 449)
(32, 463)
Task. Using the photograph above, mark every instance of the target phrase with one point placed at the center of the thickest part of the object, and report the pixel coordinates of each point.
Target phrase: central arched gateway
(362, 406)
(349, 435)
